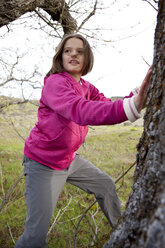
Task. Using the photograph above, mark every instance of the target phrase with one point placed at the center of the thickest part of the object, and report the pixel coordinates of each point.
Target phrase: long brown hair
(57, 65)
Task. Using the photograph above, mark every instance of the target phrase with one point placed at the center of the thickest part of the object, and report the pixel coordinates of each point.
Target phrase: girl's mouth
(75, 62)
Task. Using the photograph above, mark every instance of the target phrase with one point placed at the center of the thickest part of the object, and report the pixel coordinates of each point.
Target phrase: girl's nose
(74, 53)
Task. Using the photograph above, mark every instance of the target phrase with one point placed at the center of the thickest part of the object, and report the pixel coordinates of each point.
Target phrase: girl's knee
(108, 184)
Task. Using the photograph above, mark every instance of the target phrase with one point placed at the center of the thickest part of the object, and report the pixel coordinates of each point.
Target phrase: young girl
(67, 106)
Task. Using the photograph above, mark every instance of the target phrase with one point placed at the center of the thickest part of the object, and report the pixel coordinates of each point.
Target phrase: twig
(89, 16)
(151, 4)
(17, 130)
(11, 190)
(93, 218)
(145, 61)
(92, 229)
(82, 216)
(10, 205)
(47, 21)
(120, 177)
(74, 218)
(95, 233)
(11, 235)
(3, 192)
(55, 220)
(12, 103)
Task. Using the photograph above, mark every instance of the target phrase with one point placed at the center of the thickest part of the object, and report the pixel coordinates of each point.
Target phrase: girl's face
(73, 57)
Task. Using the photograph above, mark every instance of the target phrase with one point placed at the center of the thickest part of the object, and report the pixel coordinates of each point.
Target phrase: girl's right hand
(141, 98)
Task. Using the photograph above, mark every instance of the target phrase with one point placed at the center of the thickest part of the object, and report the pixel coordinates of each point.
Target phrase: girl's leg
(42, 188)
(89, 178)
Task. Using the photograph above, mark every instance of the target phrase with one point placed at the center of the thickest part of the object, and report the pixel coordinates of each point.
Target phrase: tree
(143, 222)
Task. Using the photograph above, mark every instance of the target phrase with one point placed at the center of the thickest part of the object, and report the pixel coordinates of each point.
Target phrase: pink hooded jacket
(66, 109)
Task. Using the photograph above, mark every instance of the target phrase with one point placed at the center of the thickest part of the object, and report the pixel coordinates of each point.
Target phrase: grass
(110, 148)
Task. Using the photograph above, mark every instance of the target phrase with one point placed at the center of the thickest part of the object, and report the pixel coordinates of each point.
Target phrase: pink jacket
(66, 109)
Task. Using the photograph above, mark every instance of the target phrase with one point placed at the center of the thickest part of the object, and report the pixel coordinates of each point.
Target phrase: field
(110, 148)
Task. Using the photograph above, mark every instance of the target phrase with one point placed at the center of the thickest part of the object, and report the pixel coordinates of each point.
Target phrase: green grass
(110, 148)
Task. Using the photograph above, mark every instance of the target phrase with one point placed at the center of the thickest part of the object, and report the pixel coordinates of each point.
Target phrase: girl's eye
(70, 51)
(67, 51)
(80, 51)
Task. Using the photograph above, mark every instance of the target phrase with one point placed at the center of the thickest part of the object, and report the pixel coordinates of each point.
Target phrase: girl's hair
(57, 65)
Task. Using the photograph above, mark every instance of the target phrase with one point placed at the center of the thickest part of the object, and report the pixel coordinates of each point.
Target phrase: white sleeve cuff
(135, 91)
(130, 109)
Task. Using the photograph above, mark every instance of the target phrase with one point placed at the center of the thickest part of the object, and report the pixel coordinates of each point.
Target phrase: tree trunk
(58, 10)
(143, 221)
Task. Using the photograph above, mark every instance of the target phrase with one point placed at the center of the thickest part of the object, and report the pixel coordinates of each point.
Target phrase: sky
(119, 64)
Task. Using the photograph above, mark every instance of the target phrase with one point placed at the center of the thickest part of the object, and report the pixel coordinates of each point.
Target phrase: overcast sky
(119, 65)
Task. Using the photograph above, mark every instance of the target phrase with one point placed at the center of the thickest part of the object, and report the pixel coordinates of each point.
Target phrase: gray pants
(42, 189)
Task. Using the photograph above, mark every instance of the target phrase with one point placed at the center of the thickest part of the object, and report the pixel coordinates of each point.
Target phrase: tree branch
(46, 21)
(89, 16)
(12, 123)
(57, 9)
(55, 220)
(12, 103)
(11, 190)
(151, 4)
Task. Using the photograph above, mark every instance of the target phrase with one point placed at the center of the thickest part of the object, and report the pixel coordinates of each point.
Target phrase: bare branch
(6, 198)
(6, 81)
(10, 78)
(1, 175)
(11, 235)
(89, 16)
(47, 22)
(13, 103)
(12, 123)
(96, 227)
(151, 4)
(55, 220)
(146, 61)
(11, 204)
(11, 70)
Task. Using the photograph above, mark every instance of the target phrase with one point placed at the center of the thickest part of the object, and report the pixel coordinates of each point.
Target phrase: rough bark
(11, 10)
(143, 221)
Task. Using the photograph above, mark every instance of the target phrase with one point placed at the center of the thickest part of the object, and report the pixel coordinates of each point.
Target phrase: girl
(67, 106)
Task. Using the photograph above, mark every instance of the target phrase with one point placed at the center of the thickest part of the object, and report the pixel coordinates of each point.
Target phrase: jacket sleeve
(61, 97)
(128, 103)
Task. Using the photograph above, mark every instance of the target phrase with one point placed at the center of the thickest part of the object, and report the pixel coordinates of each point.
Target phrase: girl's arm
(59, 95)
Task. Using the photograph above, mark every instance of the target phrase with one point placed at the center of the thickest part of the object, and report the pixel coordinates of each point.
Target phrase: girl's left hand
(141, 98)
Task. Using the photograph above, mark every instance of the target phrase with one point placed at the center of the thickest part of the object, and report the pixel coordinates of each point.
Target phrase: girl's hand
(141, 98)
